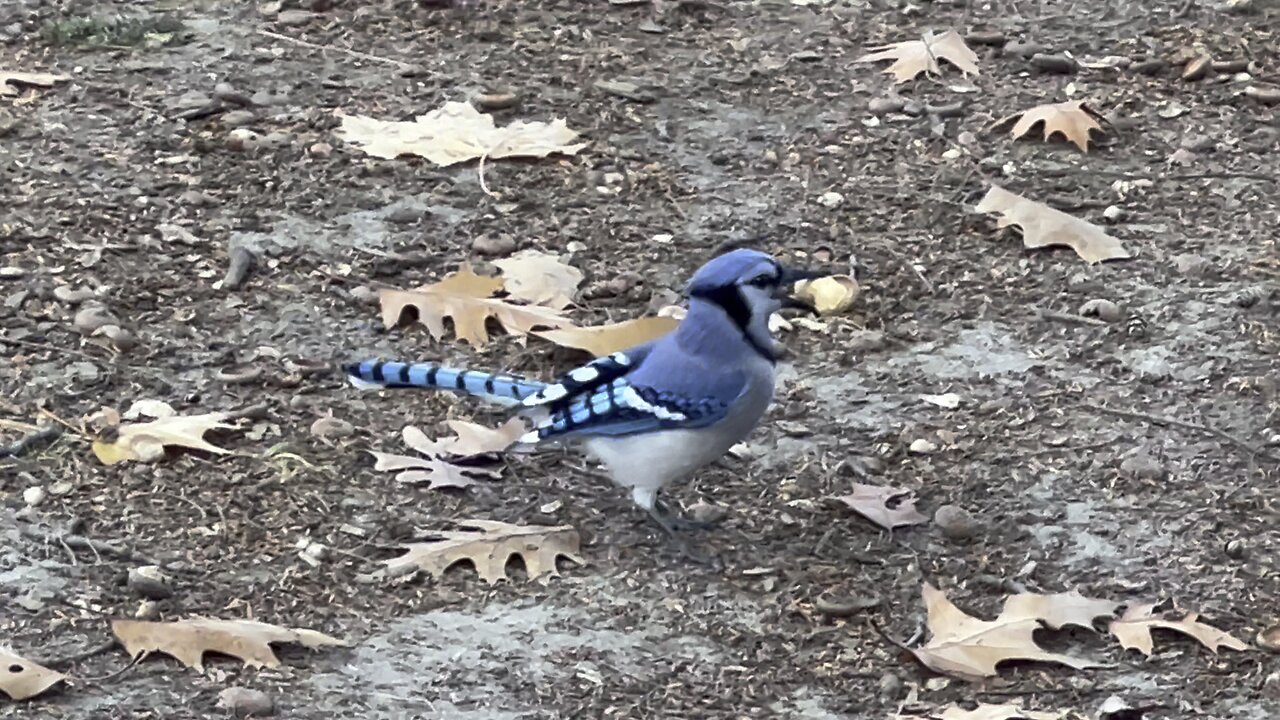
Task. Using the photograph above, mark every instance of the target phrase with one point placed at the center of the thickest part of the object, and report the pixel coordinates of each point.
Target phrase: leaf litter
(489, 545)
(540, 278)
(188, 640)
(455, 133)
(1133, 630)
(913, 57)
(22, 679)
(1074, 120)
(887, 507)
(969, 648)
(1043, 226)
(146, 442)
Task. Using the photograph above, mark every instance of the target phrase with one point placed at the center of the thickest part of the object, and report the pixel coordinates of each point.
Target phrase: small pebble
(147, 610)
(321, 149)
(1104, 310)
(91, 317)
(831, 199)
(331, 428)
(920, 446)
(1024, 49)
(9, 272)
(364, 294)
(955, 522)
(237, 118)
(34, 495)
(72, 296)
(493, 246)
(150, 582)
(707, 513)
(882, 106)
(1191, 264)
(241, 139)
(294, 18)
(891, 687)
(1059, 64)
(405, 215)
(1142, 466)
(246, 702)
(1236, 549)
(1113, 213)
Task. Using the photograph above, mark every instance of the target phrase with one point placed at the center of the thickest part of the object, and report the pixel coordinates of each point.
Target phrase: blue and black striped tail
(497, 386)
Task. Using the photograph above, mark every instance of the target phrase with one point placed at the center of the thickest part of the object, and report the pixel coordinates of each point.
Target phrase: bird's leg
(670, 523)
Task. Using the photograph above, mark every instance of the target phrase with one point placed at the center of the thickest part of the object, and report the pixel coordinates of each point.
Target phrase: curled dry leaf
(605, 339)
(1043, 226)
(455, 133)
(1133, 630)
(914, 57)
(10, 80)
(472, 439)
(188, 640)
(829, 295)
(969, 648)
(873, 503)
(21, 679)
(147, 441)
(1074, 120)
(489, 545)
(540, 278)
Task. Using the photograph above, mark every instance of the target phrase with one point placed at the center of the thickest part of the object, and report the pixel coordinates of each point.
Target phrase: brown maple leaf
(488, 545)
(1043, 226)
(969, 648)
(1133, 630)
(1073, 120)
(922, 56)
(188, 640)
(873, 503)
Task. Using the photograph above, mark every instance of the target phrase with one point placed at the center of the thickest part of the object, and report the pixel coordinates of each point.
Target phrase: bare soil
(123, 180)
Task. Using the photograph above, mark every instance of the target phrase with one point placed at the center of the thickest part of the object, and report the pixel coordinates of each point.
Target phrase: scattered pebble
(1104, 310)
(91, 317)
(840, 605)
(246, 702)
(955, 522)
(364, 294)
(920, 446)
(1058, 64)
(1191, 264)
(241, 139)
(34, 495)
(493, 246)
(1269, 639)
(883, 106)
(294, 18)
(72, 296)
(707, 512)
(865, 341)
(147, 610)
(1113, 213)
(121, 338)
(406, 215)
(489, 102)
(1197, 68)
(1264, 95)
(150, 582)
(329, 428)
(321, 149)
(237, 118)
(1236, 549)
(831, 199)
(1198, 143)
(10, 272)
(1022, 49)
(1150, 66)
(891, 687)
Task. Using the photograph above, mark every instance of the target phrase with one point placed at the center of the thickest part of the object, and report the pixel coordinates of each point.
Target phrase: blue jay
(657, 412)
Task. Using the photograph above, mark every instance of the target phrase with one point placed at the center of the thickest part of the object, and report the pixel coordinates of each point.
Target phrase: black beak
(787, 285)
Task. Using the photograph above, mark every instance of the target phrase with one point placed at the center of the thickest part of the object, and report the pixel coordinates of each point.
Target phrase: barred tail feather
(495, 386)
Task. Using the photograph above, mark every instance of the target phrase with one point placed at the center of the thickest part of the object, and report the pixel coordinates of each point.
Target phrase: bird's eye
(761, 280)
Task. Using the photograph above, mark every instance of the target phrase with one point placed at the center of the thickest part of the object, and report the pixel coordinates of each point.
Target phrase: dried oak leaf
(1074, 120)
(540, 278)
(489, 545)
(829, 295)
(147, 441)
(10, 79)
(873, 503)
(468, 312)
(21, 679)
(1042, 226)
(435, 472)
(1058, 610)
(472, 439)
(969, 648)
(455, 133)
(188, 640)
(920, 56)
(1133, 630)
(605, 339)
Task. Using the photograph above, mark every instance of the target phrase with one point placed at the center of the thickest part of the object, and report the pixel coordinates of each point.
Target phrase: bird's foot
(675, 526)
(672, 521)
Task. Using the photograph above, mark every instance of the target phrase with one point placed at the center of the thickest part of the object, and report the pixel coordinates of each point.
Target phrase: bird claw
(674, 522)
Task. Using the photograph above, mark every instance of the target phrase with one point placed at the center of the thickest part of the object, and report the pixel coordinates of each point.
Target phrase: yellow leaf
(540, 278)
(1074, 120)
(21, 679)
(829, 295)
(604, 339)
(188, 640)
(489, 545)
(1042, 226)
(1133, 630)
(469, 313)
(147, 441)
(969, 648)
(921, 56)
(9, 79)
(455, 133)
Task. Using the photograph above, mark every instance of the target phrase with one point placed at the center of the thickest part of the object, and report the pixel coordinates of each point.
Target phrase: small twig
(30, 441)
(352, 53)
(1068, 317)
(483, 185)
(94, 651)
(1185, 425)
(69, 540)
(885, 636)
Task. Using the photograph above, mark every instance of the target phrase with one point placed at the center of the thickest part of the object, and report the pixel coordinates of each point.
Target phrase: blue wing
(585, 379)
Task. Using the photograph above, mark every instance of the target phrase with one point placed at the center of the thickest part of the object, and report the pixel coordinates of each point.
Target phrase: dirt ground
(123, 181)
